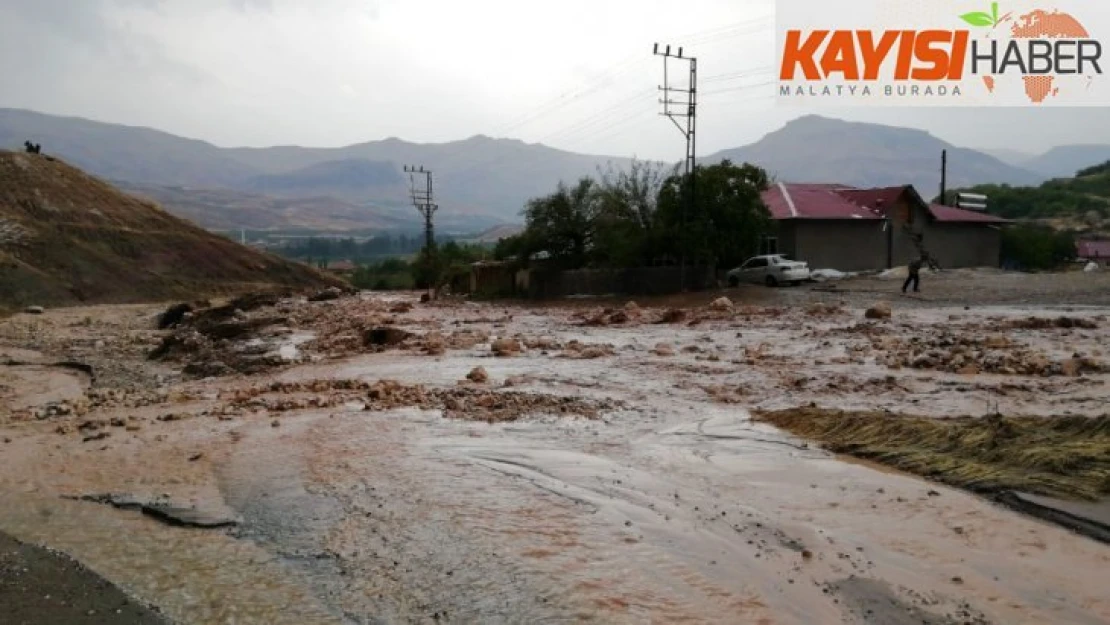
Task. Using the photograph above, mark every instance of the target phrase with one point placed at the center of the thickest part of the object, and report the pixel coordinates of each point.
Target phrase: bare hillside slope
(66, 237)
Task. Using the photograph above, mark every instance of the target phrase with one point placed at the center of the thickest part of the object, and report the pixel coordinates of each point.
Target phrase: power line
(600, 117)
(739, 88)
(599, 82)
(617, 113)
(736, 75)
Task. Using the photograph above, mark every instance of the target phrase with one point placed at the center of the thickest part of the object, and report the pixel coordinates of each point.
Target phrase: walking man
(915, 275)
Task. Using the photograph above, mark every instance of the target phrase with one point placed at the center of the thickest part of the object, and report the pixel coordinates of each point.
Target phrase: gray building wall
(863, 245)
(964, 245)
(836, 244)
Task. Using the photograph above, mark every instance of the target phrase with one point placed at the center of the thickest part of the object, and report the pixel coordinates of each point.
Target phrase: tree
(1097, 170)
(1034, 248)
(626, 224)
(728, 219)
(563, 223)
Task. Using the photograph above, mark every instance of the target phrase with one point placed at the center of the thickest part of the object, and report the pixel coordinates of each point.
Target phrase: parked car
(771, 270)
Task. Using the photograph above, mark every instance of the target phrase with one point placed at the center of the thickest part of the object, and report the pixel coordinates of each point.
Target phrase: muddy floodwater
(605, 468)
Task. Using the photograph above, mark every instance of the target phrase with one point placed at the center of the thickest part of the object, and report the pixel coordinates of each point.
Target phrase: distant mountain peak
(813, 148)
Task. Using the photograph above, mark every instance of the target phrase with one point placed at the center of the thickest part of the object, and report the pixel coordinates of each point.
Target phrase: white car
(770, 270)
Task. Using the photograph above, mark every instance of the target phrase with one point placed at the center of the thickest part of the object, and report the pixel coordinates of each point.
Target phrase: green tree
(626, 225)
(563, 223)
(1037, 248)
(728, 219)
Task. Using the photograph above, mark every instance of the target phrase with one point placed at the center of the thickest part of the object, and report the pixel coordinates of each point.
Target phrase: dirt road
(607, 470)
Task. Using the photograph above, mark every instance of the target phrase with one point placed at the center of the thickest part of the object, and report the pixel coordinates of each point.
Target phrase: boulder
(663, 349)
(385, 337)
(880, 310)
(254, 301)
(618, 318)
(478, 376)
(174, 315)
(674, 315)
(327, 295)
(506, 347)
(723, 304)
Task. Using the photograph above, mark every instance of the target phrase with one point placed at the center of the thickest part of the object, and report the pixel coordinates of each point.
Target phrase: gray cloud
(577, 74)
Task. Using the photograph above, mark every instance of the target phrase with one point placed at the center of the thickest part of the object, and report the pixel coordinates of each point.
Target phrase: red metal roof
(1093, 249)
(835, 201)
(880, 199)
(813, 201)
(948, 214)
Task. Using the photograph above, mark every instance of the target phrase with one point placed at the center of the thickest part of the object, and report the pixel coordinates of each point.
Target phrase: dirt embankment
(67, 238)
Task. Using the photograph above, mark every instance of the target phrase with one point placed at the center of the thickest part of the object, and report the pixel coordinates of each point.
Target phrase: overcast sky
(575, 74)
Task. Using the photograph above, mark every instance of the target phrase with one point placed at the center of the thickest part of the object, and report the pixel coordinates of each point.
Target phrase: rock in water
(881, 310)
(674, 315)
(723, 304)
(385, 336)
(663, 349)
(327, 295)
(174, 315)
(478, 376)
(506, 347)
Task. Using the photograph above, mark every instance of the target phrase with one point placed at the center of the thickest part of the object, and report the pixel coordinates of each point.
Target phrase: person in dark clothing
(915, 275)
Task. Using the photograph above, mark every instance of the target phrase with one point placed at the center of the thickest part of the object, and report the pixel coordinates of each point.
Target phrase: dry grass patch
(1067, 457)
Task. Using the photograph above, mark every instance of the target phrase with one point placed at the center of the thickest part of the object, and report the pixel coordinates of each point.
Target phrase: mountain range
(481, 181)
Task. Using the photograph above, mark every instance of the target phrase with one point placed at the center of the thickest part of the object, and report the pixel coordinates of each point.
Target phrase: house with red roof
(833, 226)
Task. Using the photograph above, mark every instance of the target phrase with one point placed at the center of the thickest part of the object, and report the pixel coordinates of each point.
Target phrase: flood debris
(722, 304)
(174, 315)
(163, 509)
(385, 336)
(673, 315)
(505, 348)
(473, 403)
(576, 350)
(329, 294)
(957, 353)
(1041, 323)
(879, 311)
(478, 375)
(665, 350)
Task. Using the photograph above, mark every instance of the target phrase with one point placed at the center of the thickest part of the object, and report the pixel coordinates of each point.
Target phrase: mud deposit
(372, 459)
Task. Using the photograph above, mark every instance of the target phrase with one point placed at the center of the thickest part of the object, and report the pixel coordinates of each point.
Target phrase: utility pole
(685, 110)
(423, 198)
(944, 178)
